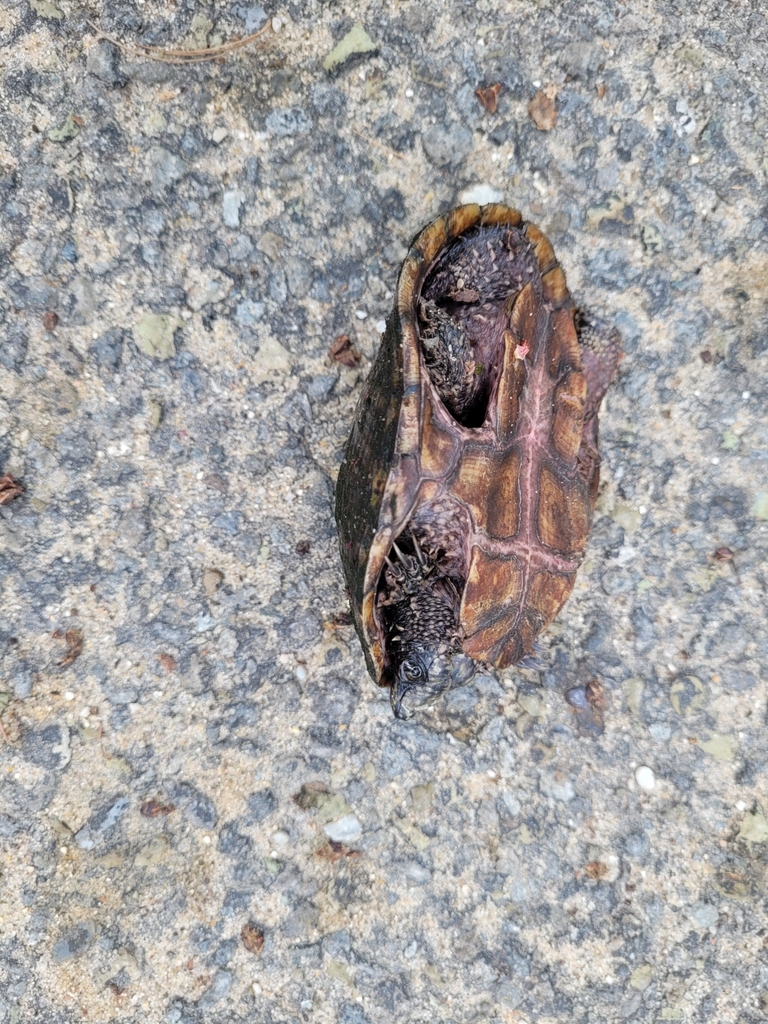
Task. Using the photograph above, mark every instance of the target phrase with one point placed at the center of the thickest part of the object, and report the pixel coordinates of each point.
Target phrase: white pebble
(480, 194)
(301, 673)
(409, 93)
(69, 695)
(746, 395)
(280, 839)
(343, 830)
(360, 314)
(381, 326)
(645, 778)
(277, 24)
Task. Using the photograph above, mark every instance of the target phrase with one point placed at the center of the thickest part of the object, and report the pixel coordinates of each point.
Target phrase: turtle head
(424, 676)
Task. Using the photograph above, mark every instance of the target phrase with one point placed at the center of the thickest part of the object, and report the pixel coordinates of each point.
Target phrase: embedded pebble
(344, 830)
(481, 194)
(232, 200)
(48, 747)
(645, 778)
(704, 914)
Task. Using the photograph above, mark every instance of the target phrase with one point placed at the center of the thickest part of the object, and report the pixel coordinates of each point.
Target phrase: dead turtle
(466, 492)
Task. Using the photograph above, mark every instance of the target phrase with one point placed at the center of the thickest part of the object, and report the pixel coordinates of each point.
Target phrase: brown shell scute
(494, 505)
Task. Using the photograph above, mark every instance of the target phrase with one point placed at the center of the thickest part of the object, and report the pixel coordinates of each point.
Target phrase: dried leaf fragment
(252, 938)
(489, 97)
(309, 794)
(168, 663)
(723, 554)
(336, 851)
(355, 41)
(342, 351)
(542, 108)
(151, 809)
(10, 489)
(66, 131)
(595, 693)
(596, 870)
(74, 641)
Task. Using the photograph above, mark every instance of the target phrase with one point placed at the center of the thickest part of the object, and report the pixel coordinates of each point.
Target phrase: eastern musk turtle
(468, 483)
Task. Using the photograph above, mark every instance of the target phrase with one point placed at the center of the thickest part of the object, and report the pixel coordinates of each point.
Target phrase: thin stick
(180, 56)
(378, 145)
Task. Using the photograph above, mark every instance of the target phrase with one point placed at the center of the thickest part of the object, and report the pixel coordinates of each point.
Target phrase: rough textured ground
(174, 671)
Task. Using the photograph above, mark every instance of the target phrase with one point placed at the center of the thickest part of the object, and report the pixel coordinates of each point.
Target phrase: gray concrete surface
(186, 718)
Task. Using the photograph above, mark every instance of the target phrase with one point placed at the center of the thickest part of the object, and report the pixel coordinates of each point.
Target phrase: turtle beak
(399, 691)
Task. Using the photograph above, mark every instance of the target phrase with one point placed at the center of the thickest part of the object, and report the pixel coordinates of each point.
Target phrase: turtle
(467, 486)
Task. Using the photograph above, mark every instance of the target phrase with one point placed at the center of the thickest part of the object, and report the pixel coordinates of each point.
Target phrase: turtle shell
(522, 476)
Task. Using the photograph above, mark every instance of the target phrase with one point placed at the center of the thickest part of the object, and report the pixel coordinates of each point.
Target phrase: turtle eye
(412, 671)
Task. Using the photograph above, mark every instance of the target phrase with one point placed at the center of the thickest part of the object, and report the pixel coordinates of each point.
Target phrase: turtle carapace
(468, 484)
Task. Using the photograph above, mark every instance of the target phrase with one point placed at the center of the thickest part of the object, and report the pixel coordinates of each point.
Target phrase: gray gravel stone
(232, 201)
(196, 806)
(164, 168)
(74, 941)
(704, 914)
(103, 61)
(288, 121)
(218, 990)
(48, 747)
(249, 312)
(262, 804)
(447, 146)
(22, 681)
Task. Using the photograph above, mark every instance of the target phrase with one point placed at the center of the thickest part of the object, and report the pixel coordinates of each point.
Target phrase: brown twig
(180, 56)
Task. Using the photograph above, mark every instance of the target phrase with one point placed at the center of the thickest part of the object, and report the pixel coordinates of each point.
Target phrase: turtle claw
(408, 563)
(419, 552)
(396, 570)
(533, 661)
